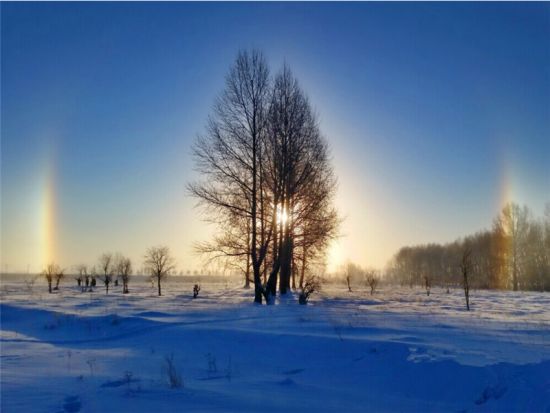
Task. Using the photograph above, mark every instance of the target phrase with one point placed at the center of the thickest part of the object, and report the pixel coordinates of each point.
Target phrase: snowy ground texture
(397, 351)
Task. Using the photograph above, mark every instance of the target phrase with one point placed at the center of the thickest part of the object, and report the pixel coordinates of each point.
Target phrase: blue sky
(436, 114)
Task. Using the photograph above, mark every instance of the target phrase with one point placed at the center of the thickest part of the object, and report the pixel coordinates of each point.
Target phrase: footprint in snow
(491, 392)
(372, 350)
(72, 404)
(119, 383)
(295, 371)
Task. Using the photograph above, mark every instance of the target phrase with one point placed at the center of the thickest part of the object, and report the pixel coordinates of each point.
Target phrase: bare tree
(58, 276)
(50, 272)
(466, 266)
(159, 264)
(313, 231)
(82, 275)
(196, 290)
(300, 178)
(123, 267)
(92, 279)
(348, 281)
(427, 284)
(352, 272)
(513, 223)
(229, 159)
(267, 181)
(232, 244)
(106, 267)
(372, 279)
(172, 373)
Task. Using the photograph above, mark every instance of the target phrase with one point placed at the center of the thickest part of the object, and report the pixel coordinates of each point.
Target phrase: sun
(282, 216)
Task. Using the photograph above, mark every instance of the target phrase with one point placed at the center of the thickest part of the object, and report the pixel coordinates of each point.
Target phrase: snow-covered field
(398, 350)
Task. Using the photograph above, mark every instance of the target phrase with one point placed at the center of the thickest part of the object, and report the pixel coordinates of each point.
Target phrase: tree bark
(247, 273)
(271, 287)
(303, 269)
(515, 269)
(293, 272)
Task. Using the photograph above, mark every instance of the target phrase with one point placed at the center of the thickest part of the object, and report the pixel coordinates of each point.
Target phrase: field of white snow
(397, 351)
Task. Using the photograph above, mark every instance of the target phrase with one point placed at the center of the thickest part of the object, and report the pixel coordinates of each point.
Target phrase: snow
(398, 350)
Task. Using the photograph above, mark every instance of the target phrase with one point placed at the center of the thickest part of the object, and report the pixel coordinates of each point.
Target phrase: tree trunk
(263, 234)
(258, 290)
(293, 273)
(466, 291)
(515, 274)
(286, 259)
(50, 287)
(247, 272)
(303, 269)
(271, 286)
(158, 282)
(254, 212)
(285, 270)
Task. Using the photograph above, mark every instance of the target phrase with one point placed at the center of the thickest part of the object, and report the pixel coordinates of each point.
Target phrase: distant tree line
(355, 276)
(266, 179)
(158, 263)
(514, 254)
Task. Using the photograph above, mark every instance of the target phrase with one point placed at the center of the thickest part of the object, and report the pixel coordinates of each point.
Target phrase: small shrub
(229, 370)
(212, 367)
(50, 326)
(54, 323)
(115, 320)
(196, 290)
(29, 284)
(69, 356)
(372, 279)
(172, 374)
(91, 365)
(127, 378)
(51, 273)
(311, 285)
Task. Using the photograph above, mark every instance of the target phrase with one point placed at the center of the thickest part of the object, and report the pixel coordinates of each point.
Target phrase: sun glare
(282, 216)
